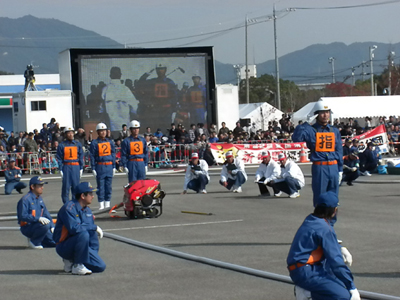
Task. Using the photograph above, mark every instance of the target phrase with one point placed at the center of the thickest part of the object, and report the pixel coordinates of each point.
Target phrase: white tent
(260, 113)
(355, 107)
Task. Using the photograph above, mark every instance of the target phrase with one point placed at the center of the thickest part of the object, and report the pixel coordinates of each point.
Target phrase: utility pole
(362, 67)
(247, 66)
(371, 56)
(278, 88)
(352, 76)
(391, 56)
(332, 61)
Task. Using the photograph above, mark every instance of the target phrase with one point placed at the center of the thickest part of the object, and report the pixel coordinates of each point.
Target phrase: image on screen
(155, 90)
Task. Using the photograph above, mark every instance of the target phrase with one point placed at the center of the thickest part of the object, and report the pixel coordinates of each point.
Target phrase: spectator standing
(223, 130)
(124, 133)
(238, 130)
(12, 140)
(80, 136)
(30, 144)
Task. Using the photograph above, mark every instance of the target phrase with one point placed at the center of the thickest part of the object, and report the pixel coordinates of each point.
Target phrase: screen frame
(76, 54)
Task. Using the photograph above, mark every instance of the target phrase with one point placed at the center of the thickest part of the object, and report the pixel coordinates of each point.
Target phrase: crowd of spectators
(172, 144)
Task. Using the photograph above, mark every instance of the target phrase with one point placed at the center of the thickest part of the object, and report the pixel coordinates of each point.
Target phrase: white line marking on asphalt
(174, 225)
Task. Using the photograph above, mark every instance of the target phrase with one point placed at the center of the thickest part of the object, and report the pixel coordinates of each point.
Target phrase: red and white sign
(378, 133)
(251, 153)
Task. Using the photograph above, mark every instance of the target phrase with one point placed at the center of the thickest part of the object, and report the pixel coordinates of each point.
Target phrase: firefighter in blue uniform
(70, 161)
(316, 262)
(197, 98)
(134, 155)
(347, 147)
(351, 165)
(34, 218)
(158, 94)
(77, 236)
(325, 144)
(102, 160)
(13, 178)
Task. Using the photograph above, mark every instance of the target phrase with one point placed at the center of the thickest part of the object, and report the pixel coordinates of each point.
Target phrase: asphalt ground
(243, 229)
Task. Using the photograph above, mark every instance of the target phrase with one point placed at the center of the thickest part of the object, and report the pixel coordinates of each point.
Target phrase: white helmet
(101, 126)
(321, 105)
(68, 128)
(134, 124)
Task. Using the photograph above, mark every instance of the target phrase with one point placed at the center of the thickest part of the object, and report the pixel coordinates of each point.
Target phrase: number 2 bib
(104, 149)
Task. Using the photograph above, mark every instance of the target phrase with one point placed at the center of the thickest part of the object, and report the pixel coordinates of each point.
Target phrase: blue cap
(349, 140)
(328, 199)
(11, 159)
(37, 180)
(84, 187)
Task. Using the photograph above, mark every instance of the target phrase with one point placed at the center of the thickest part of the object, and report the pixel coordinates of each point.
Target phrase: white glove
(257, 179)
(234, 172)
(347, 257)
(311, 118)
(126, 170)
(197, 172)
(94, 173)
(99, 232)
(52, 229)
(355, 295)
(114, 171)
(19, 175)
(266, 181)
(80, 173)
(62, 174)
(340, 176)
(146, 168)
(44, 220)
(353, 169)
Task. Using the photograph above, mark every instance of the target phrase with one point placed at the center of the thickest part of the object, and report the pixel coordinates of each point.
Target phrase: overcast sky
(167, 23)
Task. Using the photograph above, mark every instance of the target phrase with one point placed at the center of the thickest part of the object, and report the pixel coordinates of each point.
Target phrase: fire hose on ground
(217, 263)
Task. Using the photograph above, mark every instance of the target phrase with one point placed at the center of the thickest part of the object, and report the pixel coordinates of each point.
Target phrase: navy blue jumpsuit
(76, 236)
(70, 161)
(326, 149)
(315, 261)
(134, 157)
(29, 209)
(102, 160)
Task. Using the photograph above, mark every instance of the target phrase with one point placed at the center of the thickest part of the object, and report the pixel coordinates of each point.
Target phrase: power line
(350, 6)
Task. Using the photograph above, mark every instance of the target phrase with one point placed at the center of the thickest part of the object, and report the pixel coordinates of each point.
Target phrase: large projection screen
(156, 88)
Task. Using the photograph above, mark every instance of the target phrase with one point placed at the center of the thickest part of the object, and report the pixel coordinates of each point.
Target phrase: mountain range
(37, 41)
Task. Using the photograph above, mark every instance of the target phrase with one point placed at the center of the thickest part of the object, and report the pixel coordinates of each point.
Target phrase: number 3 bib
(136, 148)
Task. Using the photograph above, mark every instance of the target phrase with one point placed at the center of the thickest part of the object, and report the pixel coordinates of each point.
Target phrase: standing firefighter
(102, 159)
(325, 144)
(134, 155)
(70, 160)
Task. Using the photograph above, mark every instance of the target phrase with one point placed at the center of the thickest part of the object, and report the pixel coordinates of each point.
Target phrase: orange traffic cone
(303, 156)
